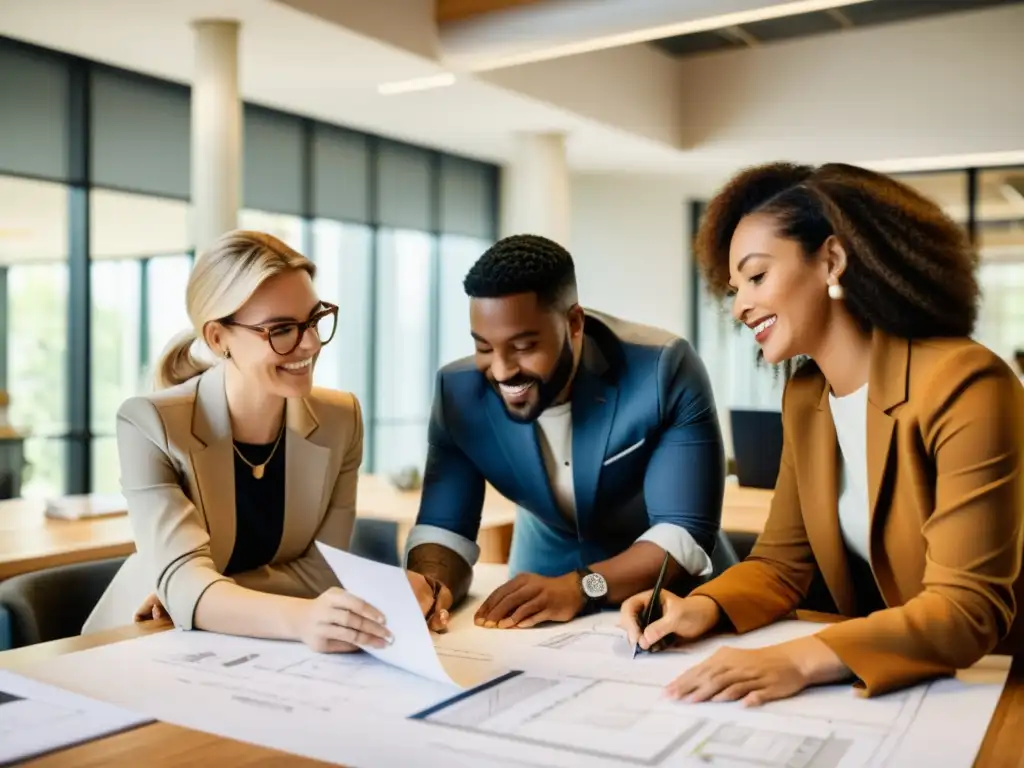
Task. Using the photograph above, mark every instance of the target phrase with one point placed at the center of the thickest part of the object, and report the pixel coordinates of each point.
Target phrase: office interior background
(612, 151)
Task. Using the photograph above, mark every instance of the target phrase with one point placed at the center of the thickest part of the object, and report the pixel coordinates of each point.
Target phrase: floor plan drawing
(562, 697)
(294, 680)
(632, 723)
(601, 640)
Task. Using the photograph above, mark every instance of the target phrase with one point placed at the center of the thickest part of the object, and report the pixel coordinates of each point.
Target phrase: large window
(34, 316)
(458, 253)
(344, 257)
(999, 216)
(96, 249)
(402, 394)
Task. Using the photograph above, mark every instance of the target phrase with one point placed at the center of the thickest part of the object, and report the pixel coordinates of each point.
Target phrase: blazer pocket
(622, 454)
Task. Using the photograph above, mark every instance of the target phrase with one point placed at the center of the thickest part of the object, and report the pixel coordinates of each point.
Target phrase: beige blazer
(177, 475)
(945, 442)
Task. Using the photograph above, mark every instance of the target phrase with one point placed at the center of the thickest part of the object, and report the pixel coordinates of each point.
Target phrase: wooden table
(745, 510)
(31, 541)
(161, 744)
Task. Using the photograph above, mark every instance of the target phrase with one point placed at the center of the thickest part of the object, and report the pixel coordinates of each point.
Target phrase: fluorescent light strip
(416, 84)
(668, 30)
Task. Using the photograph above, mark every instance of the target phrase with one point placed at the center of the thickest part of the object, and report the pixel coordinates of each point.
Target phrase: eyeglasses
(284, 338)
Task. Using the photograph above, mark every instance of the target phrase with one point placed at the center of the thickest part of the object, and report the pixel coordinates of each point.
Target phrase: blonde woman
(233, 471)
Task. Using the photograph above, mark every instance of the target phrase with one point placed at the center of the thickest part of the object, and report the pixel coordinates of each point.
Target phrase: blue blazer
(646, 446)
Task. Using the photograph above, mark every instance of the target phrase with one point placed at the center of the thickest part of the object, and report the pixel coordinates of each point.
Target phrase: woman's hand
(152, 608)
(760, 675)
(435, 608)
(339, 622)
(685, 617)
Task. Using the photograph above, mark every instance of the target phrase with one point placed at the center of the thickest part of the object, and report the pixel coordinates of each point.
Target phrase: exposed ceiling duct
(555, 28)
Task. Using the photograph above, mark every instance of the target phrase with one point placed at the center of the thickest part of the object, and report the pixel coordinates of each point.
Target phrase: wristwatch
(594, 588)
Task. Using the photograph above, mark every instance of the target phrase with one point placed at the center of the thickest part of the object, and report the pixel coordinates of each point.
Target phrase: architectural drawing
(21, 714)
(634, 724)
(567, 699)
(293, 680)
(599, 639)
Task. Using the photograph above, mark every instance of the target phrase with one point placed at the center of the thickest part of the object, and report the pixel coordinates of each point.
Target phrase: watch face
(594, 585)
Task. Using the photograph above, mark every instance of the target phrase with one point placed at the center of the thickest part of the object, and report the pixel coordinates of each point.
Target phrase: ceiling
(801, 25)
(626, 109)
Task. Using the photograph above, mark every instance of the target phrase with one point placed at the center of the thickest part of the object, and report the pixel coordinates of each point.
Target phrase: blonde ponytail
(177, 364)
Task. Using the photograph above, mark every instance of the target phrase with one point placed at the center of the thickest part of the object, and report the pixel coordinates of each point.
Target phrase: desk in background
(30, 541)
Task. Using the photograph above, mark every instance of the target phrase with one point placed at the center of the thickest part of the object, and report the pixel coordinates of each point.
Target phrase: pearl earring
(227, 354)
(835, 291)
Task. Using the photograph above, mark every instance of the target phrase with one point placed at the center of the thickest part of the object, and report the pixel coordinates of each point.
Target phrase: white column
(216, 131)
(536, 188)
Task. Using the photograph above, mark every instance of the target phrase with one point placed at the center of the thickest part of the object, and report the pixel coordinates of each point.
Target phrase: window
(137, 246)
(343, 254)
(458, 254)
(999, 217)
(166, 282)
(285, 227)
(948, 189)
(116, 369)
(34, 320)
(404, 376)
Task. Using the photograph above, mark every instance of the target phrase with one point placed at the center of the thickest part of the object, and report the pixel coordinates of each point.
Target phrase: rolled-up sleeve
(685, 479)
(684, 549)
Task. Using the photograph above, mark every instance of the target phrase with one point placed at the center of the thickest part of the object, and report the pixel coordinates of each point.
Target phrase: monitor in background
(756, 446)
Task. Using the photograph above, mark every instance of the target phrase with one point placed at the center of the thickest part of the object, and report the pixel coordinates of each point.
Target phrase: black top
(259, 508)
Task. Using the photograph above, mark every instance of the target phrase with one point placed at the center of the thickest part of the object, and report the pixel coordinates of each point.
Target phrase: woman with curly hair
(900, 483)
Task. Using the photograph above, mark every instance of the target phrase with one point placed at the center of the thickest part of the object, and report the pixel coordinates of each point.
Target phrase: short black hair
(524, 264)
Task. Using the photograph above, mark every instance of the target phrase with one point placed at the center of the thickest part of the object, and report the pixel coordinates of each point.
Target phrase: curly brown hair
(910, 268)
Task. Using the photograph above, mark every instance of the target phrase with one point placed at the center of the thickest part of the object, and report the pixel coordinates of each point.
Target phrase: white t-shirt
(555, 428)
(850, 415)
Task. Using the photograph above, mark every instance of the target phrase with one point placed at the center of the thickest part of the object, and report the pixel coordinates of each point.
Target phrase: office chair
(53, 603)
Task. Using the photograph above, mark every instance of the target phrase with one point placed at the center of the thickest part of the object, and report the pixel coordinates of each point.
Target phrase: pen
(653, 610)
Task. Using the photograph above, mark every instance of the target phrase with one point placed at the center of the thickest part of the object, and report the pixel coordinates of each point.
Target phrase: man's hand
(529, 599)
(423, 587)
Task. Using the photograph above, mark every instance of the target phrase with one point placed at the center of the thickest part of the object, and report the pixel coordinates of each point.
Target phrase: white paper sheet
(36, 718)
(577, 701)
(387, 589)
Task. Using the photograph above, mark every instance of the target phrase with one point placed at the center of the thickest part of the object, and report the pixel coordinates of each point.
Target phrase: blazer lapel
(819, 492)
(593, 410)
(306, 477)
(887, 388)
(522, 452)
(213, 464)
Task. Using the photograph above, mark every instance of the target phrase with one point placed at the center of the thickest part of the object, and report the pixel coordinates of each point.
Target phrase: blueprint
(563, 695)
(36, 718)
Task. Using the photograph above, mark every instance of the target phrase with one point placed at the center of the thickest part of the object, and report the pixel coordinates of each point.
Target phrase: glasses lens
(326, 326)
(284, 339)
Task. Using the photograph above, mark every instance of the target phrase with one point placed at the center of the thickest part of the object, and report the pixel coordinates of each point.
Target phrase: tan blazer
(945, 439)
(177, 474)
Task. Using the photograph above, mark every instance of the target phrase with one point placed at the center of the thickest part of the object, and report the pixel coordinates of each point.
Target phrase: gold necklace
(257, 469)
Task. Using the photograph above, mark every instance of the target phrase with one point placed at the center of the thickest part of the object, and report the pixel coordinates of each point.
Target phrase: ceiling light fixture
(416, 84)
(602, 41)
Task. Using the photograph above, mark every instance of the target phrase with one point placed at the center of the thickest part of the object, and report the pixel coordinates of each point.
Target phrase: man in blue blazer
(603, 432)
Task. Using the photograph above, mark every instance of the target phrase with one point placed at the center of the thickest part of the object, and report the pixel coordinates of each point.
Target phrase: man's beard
(547, 390)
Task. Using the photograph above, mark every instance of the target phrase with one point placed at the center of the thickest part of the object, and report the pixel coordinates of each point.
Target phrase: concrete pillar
(216, 131)
(536, 188)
